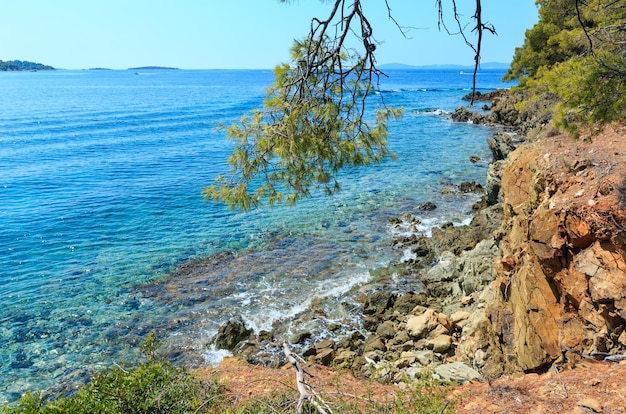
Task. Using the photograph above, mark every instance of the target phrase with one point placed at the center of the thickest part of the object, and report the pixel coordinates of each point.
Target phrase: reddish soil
(587, 387)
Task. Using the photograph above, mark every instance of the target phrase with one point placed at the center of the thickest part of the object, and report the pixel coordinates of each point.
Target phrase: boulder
(419, 326)
(386, 330)
(324, 356)
(441, 344)
(456, 372)
(501, 145)
(230, 334)
(344, 359)
(374, 343)
(378, 302)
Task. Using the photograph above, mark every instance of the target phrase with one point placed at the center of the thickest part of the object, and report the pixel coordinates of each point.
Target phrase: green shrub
(153, 386)
(157, 386)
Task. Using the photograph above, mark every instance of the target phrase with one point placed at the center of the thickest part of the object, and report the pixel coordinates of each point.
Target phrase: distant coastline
(22, 66)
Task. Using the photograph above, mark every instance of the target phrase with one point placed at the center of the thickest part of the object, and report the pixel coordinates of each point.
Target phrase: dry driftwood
(307, 393)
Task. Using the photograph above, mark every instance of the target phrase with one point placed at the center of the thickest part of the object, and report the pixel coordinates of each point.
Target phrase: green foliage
(18, 65)
(556, 37)
(590, 94)
(156, 386)
(153, 386)
(575, 56)
(312, 125)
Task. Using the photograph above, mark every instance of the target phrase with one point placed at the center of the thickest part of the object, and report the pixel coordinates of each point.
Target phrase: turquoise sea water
(100, 181)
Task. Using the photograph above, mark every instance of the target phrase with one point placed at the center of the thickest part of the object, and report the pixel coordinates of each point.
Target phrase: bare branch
(479, 28)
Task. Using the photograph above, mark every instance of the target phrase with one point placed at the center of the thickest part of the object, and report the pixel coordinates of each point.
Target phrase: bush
(153, 386)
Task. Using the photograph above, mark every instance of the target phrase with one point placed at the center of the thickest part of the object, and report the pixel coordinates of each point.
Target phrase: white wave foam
(214, 356)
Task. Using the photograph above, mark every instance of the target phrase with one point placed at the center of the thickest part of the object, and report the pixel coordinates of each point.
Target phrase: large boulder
(231, 334)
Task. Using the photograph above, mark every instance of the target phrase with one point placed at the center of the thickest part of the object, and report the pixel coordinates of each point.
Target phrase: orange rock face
(562, 280)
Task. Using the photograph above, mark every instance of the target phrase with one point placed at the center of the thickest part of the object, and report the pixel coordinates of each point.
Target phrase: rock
(386, 330)
(344, 359)
(419, 326)
(500, 145)
(312, 351)
(456, 372)
(480, 358)
(324, 356)
(374, 343)
(441, 344)
(562, 280)
(459, 316)
(406, 359)
(352, 342)
(325, 344)
(428, 206)
(424, 356)
(371, 322)
(470, 187)
(406, 303)
(300, 337)
(494, 182)
(414, 372)
(395, 220)
(462, 114)
(265, 336)
(402, 337)
(378, 302)
(607, 279)
(467, 300)
(591, 404)
(230, 334)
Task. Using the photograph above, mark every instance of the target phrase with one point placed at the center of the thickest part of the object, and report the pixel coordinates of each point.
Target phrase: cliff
(561, 282)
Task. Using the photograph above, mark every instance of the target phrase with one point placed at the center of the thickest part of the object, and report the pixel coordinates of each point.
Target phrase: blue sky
(233, 34)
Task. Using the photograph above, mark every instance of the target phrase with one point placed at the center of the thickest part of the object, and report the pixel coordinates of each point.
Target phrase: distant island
(99, 69)
(19, 65)
(153, 68)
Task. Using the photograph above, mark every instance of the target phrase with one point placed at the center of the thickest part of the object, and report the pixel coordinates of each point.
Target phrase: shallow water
(100, 180)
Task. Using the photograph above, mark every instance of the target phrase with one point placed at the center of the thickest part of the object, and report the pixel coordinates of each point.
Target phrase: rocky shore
(537, 278)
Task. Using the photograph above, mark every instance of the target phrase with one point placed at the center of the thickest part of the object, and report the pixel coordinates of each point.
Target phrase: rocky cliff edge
(561, 281)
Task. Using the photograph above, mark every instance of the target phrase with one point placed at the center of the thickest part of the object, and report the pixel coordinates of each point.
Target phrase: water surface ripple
(100, 181)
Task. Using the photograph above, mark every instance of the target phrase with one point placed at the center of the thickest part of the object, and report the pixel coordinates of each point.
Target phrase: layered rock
(562, 278)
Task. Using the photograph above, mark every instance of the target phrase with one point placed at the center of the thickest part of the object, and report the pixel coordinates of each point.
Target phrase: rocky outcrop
(562, 278)
(231, 334)
(541, 269)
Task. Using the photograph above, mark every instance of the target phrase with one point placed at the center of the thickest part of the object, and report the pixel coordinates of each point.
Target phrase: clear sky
(233, 34)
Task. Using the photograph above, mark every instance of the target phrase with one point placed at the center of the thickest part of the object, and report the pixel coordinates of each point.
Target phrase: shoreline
(386, 343)
(457, 328)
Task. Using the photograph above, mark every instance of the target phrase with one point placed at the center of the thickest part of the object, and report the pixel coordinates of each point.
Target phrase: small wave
(214, 356)
(430, 112)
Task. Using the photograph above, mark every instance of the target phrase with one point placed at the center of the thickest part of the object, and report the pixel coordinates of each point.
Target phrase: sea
(105, 235)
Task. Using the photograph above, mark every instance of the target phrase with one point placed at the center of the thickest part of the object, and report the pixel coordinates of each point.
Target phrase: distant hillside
(486, 65)
(19, 65)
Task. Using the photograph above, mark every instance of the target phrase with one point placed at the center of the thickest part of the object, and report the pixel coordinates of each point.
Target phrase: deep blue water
(101, 175)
